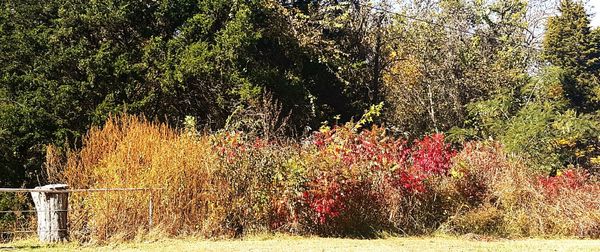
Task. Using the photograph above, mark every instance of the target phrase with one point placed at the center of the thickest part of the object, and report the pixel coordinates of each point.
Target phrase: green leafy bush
(544, 128)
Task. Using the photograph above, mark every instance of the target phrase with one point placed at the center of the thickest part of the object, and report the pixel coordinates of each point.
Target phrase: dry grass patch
(295, 243)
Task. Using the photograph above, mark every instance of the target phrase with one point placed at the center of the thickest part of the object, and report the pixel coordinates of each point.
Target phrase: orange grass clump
(129, 152)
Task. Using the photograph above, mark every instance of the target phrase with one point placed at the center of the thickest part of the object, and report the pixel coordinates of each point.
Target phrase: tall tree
(551, 117)
(66, 65)
(449, 54)
(349, 38)
(569, 43)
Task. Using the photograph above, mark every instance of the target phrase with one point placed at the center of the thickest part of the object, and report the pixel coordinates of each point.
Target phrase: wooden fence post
(51, 208)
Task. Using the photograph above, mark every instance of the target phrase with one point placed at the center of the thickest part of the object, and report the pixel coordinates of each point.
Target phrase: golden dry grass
(516, 205)
(130, 152)
(209, 186)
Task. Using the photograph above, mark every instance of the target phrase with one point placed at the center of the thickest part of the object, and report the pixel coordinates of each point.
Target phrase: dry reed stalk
(131, 152)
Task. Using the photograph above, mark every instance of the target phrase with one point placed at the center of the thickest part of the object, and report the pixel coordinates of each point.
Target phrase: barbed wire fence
(21, 221)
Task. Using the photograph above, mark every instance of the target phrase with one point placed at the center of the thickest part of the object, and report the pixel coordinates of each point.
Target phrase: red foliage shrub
(570, 179)
(433, 155)
(369, 167)
(327, 202)
(409, 182)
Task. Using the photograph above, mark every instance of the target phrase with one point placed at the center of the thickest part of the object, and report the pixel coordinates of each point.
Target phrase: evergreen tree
(570, 43)
(66, 65)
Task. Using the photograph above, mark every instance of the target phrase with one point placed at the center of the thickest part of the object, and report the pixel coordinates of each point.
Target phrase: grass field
(291, 243)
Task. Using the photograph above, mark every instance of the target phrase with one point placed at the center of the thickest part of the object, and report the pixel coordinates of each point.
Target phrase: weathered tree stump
(51, 208)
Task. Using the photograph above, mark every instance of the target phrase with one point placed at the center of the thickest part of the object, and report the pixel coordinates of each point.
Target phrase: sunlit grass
(297, 243)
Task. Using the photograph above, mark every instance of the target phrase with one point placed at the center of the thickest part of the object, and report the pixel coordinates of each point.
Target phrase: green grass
(294, 243)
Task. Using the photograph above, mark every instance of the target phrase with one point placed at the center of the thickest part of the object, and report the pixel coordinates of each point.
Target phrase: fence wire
(21, 221)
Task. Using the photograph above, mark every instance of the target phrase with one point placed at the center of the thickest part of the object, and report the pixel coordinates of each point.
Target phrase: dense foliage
(550, 116)
(336, 181)
(458, 97)
(66, 65)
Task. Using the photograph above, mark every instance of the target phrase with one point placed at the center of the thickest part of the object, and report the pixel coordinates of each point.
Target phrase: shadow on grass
(19, 247)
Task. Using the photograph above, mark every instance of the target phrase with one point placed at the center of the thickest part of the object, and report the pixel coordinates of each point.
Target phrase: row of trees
(473, 69)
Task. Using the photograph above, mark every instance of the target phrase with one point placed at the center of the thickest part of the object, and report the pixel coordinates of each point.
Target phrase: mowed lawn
(291, 243)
